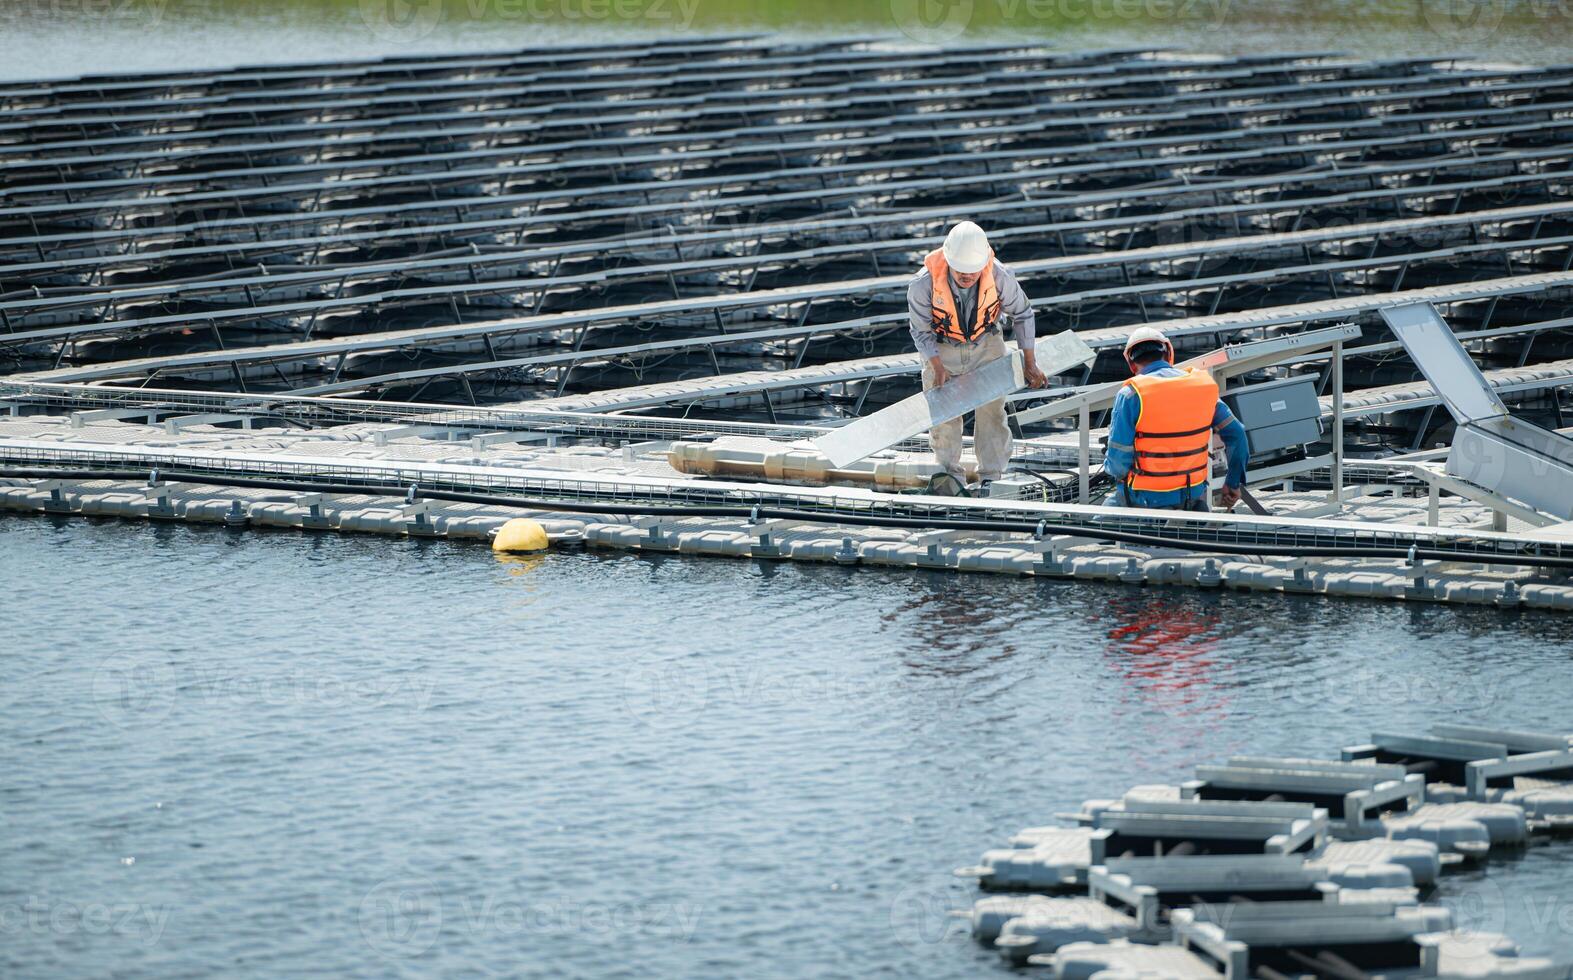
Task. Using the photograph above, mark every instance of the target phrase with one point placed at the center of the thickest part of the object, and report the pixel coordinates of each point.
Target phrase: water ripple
(273, 752)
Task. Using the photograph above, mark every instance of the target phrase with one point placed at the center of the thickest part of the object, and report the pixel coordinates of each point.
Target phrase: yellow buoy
(521, 534)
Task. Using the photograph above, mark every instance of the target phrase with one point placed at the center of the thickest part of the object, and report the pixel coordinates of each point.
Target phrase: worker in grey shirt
(957, 300)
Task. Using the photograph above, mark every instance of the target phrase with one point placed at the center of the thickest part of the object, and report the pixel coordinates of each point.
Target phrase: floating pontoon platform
(624, 289)
(1300, 903)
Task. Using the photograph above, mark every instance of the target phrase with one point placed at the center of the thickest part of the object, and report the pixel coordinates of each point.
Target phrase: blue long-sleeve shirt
(1121, 453)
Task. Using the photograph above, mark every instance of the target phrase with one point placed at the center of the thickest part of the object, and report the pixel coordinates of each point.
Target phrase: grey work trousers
(990, 432)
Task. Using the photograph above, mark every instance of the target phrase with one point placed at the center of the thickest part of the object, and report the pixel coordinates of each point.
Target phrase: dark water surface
(276, 754)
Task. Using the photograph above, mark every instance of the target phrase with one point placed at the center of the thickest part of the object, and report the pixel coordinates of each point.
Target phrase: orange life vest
(1173, 431)
(943, 306)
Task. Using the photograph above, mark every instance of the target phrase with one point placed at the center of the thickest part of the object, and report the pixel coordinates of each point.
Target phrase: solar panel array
(554, 223)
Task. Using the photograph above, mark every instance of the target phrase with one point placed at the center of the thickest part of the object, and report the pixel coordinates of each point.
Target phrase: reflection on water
(1176, 665)
(755, 767)
(276, 753)
(1163, 645)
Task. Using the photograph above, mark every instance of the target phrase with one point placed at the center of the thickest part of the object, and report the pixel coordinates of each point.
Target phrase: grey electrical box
(1278, 415)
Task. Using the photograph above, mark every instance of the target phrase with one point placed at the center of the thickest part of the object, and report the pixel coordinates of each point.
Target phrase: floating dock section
(1285, 867)
(626, 290)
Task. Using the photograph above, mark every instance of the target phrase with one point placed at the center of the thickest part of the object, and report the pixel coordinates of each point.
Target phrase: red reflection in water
(1176, 700)
(1167, 652)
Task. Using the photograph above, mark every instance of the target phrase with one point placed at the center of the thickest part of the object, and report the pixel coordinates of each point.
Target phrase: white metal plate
(1444, 362)
(966, 393)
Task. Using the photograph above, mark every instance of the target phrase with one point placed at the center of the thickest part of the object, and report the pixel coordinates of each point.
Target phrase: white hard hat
(967, 249)
(1147, 335)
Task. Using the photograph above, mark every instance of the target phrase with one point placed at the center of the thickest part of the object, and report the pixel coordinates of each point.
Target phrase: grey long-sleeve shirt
(1013, 303)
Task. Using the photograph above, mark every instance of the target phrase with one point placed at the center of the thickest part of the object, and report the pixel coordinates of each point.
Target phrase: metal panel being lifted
(908, 417)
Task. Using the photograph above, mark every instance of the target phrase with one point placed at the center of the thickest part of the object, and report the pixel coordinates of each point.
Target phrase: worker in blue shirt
(1160, 440)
